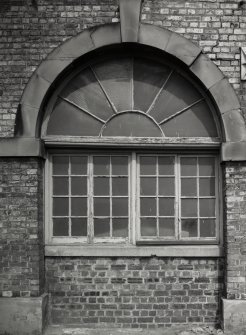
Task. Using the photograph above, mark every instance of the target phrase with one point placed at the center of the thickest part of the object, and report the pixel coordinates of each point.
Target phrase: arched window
(133, 143)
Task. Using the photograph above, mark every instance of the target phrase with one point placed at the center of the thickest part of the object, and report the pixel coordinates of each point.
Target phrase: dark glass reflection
(102, 227)
(189, 228)
(148, 227)
(60, 227)
(60, 165)
(120, 227)
(79, 227)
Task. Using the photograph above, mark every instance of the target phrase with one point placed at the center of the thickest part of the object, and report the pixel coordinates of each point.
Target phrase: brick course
(235, 226)
(127, 292)
(21, 232)
(134, 292)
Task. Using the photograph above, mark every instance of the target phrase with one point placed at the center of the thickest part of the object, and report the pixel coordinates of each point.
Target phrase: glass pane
(120, 206)
(207, 207)
(148, 206)
(207, 186)
(116, 78)
(166, 227)
(133, 124)
(60, 165)
(101, 206)
(60, 206)
(119, 165)
(189, 228)
(166, 186)
(148, 227)
(60, 186)
(188, 207)
(188, 166)
(166, 165)
(79, 206)
(70, 120)
(78, 165)
(207, 228)
(120, 227)
(147, 165)
(188, 187)
(102, 227)
(199, 116)
(177, 94)
(206, 166)
(60, 227)
(101, 186)
(79, 227)
(148, 186)
(166, 206)
(101, 165)
(79, 185)
(119, 186)
(148, 79)
(85, 91)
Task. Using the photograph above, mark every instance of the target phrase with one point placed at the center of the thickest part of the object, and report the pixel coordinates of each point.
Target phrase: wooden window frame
(134, 238)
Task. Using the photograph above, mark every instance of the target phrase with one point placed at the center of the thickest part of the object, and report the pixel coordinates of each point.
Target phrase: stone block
(234, 315)
(154, 36)
(106, 35)
(234, 126)
(23, 316)
(233, 151)
(129, 18)
(224, 96)
(182, 48)
(206, 71)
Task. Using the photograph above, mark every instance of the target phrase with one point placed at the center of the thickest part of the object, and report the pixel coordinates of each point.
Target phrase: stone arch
(232, 123)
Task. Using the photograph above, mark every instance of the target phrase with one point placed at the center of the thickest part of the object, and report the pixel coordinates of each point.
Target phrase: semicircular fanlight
(131, 97)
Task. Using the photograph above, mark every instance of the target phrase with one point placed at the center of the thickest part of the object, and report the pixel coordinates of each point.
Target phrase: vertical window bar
(90, 209)
(69, 198)
(133, 182)
(110, 198)
(198, 196)
(157, 195)
(177, 172)
(217, 198)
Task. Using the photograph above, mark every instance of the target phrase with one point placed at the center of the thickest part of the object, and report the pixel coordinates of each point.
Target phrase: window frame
(134, 238)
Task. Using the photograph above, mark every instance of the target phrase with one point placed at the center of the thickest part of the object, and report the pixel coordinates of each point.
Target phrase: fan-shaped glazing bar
(82, 109)
(180, 112)
(158, 94)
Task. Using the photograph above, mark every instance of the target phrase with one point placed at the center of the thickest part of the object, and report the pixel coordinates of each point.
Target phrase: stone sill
(133, 251)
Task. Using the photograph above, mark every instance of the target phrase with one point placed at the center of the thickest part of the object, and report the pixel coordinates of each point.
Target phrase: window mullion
(135, 214)
(157, 195)
(198, 197)
(69, 199)
(110, 199)
(177, 198)
(90, 233)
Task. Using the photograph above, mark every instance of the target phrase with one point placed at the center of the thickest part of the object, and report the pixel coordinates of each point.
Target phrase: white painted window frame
(134, 226)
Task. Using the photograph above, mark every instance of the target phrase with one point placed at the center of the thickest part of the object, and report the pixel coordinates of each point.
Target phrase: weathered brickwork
(123, 292)
(133, 292)
(29, 30)
(21, 260)
(235, 226)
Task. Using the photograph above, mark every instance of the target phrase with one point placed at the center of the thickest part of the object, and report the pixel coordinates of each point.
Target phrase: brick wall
(235, 226)
(29, 30)
(134, 292)
(21, 251)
